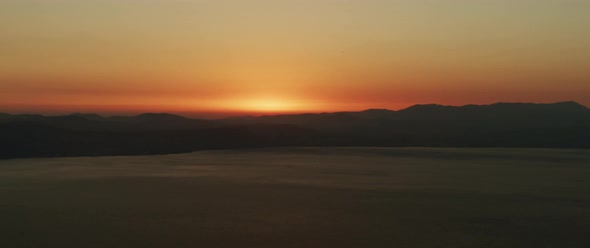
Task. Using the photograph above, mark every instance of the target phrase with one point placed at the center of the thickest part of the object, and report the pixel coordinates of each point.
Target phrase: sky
(284, 56)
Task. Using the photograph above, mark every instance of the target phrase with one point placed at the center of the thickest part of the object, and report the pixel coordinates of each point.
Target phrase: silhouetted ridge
(160, 116)
(378, 111)
(496, 111)
(428, 108)
(563, 106)
(556, 125)
(164, 121)
(27, 116)
(89, 116)
(67, 118)
(572, 104)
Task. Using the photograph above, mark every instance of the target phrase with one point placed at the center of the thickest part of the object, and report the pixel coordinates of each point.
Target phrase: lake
(301, 197)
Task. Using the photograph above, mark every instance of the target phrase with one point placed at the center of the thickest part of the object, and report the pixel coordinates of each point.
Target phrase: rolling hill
(557, 125)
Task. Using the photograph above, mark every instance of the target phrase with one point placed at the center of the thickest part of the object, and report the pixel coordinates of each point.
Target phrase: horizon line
(233, 114)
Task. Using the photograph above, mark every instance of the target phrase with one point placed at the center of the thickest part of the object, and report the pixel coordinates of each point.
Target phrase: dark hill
(160, 116)
(558, 125)
(89, 116)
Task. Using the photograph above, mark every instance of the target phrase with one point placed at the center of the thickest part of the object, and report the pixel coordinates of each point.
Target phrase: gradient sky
(259, 56)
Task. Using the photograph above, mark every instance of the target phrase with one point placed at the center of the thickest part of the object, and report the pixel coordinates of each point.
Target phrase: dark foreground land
(301, 197)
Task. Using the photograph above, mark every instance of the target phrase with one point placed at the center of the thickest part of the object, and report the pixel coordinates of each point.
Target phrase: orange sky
(262, 56)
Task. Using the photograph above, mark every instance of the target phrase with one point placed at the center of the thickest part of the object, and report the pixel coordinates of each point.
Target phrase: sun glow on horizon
(263, 105)
(268, 105)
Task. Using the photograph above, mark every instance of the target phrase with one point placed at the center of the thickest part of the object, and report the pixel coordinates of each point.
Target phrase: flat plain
(301, 197)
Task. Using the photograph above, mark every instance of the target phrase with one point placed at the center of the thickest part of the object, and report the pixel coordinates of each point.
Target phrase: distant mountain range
(557, 125)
